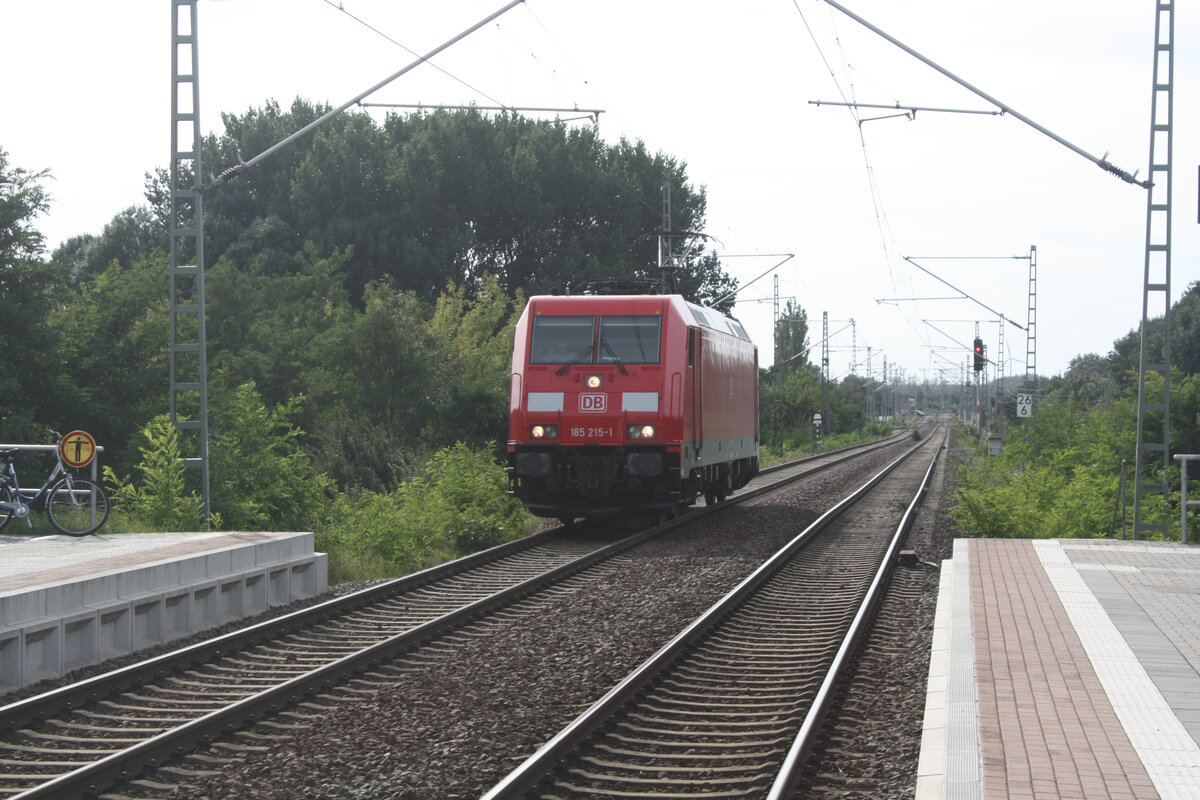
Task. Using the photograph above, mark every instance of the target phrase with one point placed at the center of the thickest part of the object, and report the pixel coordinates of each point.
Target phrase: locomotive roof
(694, 314)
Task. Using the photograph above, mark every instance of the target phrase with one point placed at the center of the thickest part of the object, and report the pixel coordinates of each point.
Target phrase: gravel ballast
(458, 720)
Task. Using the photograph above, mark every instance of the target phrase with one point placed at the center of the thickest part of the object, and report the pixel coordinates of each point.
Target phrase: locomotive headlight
(592, 381)
(641, 432)
(543, 432)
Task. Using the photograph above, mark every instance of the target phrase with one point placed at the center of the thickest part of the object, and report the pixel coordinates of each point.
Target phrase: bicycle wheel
(6, 496)
(77, 506)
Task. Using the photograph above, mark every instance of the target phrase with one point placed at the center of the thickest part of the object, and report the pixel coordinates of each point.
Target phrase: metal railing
(1184, 503)
(49, 448)
(1119, 504)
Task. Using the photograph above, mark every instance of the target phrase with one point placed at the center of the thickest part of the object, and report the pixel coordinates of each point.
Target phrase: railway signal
(979, 354)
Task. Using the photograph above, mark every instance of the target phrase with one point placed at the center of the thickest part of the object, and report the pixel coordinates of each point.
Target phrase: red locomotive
(628, 404)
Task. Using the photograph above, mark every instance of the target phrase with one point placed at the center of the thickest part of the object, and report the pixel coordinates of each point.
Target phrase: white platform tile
(1170, 755)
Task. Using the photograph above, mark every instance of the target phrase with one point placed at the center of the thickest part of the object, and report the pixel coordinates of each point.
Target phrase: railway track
(871, 742)
(89, 736)
(732, 706)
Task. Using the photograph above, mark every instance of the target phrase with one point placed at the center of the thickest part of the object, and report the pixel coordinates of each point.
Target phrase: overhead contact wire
(881, 217)
(411, 52)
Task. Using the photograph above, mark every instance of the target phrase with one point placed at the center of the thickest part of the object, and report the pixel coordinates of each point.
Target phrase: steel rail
(38, 706)
(793, 764)
(867, 447)
(105, 772)
(100, 774)
(527, 776)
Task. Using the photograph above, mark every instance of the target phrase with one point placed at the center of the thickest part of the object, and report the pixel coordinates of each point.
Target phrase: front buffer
(592, 480)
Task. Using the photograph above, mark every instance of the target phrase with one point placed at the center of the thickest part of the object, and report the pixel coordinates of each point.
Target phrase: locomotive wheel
(710, 499)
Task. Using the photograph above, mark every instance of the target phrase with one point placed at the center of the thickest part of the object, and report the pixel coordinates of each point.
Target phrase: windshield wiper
(637, 334)
(578, 357)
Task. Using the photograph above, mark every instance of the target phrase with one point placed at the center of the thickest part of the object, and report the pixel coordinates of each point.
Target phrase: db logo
(593, 403)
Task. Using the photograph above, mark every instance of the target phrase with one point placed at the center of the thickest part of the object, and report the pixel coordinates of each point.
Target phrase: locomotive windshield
(574, 340)
(557, 340)
(629, 340)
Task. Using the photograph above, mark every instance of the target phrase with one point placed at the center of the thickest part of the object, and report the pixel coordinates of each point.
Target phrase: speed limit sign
(1024, 404)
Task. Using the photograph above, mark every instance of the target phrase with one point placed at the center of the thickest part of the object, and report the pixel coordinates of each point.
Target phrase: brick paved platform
(68, 602)
(1065, 669)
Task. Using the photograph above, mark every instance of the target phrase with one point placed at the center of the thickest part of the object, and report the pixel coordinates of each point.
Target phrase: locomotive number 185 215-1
(591, 433)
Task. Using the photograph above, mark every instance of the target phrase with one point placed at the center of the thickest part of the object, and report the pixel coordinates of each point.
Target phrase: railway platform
(1064, 668)
(68, 602)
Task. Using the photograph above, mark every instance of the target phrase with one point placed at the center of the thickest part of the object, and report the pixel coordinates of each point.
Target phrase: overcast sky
(726, 88)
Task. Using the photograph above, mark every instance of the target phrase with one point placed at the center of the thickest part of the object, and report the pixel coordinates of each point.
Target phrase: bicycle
(74, 506)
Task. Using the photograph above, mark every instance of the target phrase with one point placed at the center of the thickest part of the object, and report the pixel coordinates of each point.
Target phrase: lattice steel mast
(1154, 363)
(188, 369)
(188, 391)
(825, 426)
(1031, 326)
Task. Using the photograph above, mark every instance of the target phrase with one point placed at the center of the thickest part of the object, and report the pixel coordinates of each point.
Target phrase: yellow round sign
(77, 449)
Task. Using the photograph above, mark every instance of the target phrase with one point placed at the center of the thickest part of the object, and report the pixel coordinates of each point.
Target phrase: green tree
(460, 504)
(848, 403)
(27, 287)
(1124, 359)
(1060, 480)
(704, 281)
(1185, 330)
(474, 337)
(426, 200)
(269, 326)
(375, 393)
(1185, 412)
(132, 234)
(110, 343)
(1089, 380)
(788, 398)
(791, 337)
(1185, 342)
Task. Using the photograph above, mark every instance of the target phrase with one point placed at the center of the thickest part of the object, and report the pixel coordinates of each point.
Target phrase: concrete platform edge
(47, 631)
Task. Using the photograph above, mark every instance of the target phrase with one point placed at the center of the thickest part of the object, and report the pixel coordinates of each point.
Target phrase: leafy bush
(366, 537)
(457, 506)
(461, 503)
(261, 479)
(160, 500)
(1057, 479)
